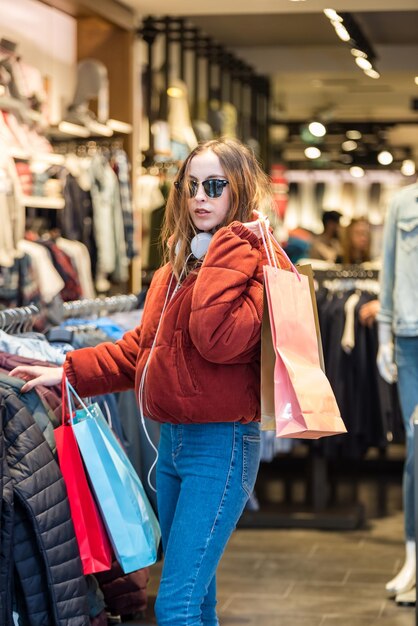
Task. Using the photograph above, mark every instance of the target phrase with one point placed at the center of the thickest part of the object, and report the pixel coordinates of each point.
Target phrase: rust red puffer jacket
(205, 366)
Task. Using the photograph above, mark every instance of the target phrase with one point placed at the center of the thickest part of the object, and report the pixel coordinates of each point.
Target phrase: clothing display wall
(89, 200)
(311, 193)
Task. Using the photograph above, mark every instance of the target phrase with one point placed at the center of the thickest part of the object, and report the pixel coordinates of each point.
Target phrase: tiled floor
(309, 578)
(289, 577)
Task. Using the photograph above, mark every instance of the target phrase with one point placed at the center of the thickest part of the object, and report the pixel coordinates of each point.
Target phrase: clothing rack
(345, 273)
(18, 319)
(100, 306)
(318, 509)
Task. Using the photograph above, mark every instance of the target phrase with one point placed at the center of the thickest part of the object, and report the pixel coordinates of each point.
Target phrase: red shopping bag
(93, 543)
(296, 396)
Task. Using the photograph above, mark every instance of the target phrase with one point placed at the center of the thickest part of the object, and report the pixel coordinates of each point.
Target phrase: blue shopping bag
(130, 521)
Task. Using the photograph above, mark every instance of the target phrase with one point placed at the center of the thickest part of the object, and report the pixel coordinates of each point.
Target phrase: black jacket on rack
(36, 530)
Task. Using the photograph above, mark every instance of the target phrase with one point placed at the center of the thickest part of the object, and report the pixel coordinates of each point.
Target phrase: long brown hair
(249, 189)
(350, 253)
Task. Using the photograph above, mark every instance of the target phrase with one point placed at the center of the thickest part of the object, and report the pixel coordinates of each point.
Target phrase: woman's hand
(256, 226)
(368, 312)
(38, 375)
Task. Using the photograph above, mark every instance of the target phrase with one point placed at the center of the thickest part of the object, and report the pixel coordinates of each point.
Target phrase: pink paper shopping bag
(302, 403)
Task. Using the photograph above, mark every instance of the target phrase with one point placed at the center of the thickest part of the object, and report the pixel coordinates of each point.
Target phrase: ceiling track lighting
(385, 157)
(349, 31)
(312, 152)
(356, 171)
(317, 129)
(408, 167)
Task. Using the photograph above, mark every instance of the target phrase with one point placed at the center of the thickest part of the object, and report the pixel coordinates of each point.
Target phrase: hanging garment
(18, 286)
(42, 546)
(63, 264)
(40, 411)
(75, 221)
(122, 169)
(48, 279)
(80, 258)
(108, 221)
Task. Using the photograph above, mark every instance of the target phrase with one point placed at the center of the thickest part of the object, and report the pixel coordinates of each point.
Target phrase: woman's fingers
(38, 375)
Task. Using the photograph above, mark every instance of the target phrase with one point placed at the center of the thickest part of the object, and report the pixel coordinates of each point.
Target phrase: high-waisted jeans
(406, 357)
(205, 474)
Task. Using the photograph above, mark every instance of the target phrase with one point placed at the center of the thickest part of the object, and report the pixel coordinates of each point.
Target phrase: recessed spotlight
(372, 73)
(356, 171)
(385, 157)
(333, 15)
(356, 52)
(346, 158)
(363, 63)
(312, 152)
(317, 129)
(341, 31)
(353, 134)
(349, 145)
(408, 167)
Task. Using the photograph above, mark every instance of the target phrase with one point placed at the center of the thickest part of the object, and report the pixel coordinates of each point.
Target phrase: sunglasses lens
(213, 187)
(193, 187)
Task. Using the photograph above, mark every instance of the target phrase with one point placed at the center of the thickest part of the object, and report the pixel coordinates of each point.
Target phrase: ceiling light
(317, 129)
(312, 152)
(349, 145)
(356, 171)
(333, 15)
(356, 52)
(372, 73)
(363, 63)
(416, 80)
(385, 157)
(341, 31)
(353, 134)
(346, 158)
(408, 167)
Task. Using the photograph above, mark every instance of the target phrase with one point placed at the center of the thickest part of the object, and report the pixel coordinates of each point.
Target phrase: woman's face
(206, 212)
(360, 236)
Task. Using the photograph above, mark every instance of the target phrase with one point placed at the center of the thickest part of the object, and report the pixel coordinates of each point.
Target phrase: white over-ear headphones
(199, 245)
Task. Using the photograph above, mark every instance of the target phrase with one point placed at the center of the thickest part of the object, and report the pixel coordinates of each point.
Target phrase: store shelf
(50, 158)
(41, 202)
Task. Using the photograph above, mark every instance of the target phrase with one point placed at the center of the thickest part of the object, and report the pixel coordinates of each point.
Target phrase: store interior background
(311, 75)
(289, 46)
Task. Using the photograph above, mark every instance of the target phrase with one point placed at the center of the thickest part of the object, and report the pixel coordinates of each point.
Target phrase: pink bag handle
(270, 239)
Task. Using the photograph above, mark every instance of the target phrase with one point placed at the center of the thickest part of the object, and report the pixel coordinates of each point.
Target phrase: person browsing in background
(327, 245)
(195, 364)
(356, 242)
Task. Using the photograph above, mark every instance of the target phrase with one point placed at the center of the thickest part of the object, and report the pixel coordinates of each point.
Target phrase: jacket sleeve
(106, 368)
(227, 302)
(387, 276)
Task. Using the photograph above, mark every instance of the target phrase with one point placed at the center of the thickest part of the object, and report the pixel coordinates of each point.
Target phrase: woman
(195, 363)
(356, 242)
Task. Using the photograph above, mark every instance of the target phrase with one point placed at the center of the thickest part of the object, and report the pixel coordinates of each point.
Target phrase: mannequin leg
(405, 579)
(406, 356)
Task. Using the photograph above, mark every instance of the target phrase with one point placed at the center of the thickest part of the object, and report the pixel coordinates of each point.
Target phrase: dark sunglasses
(213, 187)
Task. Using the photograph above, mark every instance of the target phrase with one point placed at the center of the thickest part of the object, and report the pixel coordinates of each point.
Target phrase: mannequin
(397, 357)
(92, 82)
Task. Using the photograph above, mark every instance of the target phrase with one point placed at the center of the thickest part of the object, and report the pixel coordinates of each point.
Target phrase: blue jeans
(406, 358)
(205, 474)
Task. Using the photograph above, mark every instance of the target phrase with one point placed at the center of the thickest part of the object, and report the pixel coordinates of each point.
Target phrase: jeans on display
(406, 358)
(205, 475)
